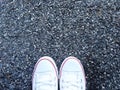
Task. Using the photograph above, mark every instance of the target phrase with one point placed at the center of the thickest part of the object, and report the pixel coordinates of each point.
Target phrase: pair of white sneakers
(71, 75)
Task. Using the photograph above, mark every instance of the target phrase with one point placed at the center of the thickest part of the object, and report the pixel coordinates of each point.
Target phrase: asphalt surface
(86, 29)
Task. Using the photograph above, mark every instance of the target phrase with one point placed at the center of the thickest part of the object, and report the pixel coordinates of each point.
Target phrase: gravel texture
(86, 29)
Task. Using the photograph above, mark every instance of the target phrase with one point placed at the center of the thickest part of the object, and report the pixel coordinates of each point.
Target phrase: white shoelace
(45, 81)
(73, 81)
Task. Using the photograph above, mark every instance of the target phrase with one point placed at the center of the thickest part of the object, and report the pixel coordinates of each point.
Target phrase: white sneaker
(45, 75)
(72, 76)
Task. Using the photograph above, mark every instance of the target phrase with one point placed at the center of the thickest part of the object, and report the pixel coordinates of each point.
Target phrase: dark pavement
(86, 29)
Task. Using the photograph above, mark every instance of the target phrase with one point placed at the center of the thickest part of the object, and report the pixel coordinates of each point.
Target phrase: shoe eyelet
(81, 88)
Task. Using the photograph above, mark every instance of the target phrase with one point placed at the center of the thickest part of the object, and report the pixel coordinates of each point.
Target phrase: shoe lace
(45, 81)
(72, 81)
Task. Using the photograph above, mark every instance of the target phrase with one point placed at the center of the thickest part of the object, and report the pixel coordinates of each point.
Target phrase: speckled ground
(87, 29)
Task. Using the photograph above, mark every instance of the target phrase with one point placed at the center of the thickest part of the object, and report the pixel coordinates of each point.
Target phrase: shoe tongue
(69, 76)
(73, 80)
(43, 87)
(43, 79)
(43, 76)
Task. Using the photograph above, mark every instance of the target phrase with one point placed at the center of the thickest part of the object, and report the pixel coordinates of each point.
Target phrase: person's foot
(72, 76)
(45, 75)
